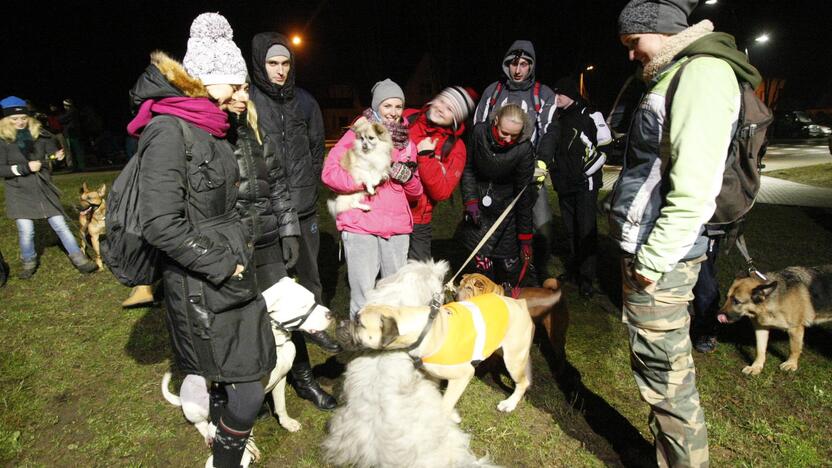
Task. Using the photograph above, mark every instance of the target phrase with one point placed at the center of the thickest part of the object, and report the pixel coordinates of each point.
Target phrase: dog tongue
(86, 211)
(722, 318)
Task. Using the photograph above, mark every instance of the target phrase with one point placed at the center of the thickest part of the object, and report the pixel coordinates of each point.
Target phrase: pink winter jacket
(390, 213)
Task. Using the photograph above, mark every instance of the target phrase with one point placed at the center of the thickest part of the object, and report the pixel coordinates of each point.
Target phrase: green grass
(819, 175)
(79, 377)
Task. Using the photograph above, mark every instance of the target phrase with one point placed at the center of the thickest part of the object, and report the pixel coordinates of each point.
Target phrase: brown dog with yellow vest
(451, 340)
(547, 307)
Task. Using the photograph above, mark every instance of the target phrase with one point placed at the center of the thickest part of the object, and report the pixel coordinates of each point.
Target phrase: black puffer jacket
(567, 167)
(292, 118)
(29, 195)
(263, 199)
(500, 173)
(218, 324)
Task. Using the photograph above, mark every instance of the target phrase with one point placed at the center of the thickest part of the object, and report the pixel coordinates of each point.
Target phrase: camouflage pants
(660, 356)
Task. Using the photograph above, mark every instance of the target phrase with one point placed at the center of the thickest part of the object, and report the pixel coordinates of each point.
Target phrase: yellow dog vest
(476, 328)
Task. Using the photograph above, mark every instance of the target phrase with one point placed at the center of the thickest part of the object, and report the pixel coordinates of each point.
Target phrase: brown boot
(139, 295)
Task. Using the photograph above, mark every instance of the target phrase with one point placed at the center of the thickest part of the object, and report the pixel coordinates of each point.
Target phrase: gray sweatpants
(367, 256)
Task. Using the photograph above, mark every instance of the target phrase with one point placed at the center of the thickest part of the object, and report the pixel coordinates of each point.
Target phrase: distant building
(339, 106)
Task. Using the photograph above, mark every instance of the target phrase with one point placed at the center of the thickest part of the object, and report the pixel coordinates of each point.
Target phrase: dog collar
(435, 304)
(289, 325)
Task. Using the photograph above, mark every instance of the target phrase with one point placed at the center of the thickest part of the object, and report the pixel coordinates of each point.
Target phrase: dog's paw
(455, 417)
(752, 370)
(252, 452)
(370, 189)
(290, 424)
(506, 406)
(789, 366)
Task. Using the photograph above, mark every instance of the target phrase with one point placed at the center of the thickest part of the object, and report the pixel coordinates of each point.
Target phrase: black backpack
(129, 256)
(743, 165)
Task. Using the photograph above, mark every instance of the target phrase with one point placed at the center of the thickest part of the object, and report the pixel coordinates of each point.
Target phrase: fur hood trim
(176, 75)
(673, 45)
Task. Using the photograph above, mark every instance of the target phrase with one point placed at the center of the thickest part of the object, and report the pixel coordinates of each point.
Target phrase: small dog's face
(476, 284)
(375, 327)
(92, 198)
(747, 297)
(369, 135)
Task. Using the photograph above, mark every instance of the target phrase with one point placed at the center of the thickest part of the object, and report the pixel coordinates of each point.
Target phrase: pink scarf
(201, 112)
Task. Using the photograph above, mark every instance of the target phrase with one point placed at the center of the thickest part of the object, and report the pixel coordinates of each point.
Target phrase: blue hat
(13, 105)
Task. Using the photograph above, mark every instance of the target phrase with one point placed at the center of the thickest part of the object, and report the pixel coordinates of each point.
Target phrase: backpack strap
(188, 136)
(536, 98)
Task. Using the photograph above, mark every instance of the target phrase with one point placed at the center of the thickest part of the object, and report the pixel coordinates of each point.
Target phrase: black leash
(288, 326)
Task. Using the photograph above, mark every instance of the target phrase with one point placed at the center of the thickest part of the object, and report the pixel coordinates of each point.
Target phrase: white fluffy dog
(367, 162)
(291, 307)
(392, 417)
(413, 285)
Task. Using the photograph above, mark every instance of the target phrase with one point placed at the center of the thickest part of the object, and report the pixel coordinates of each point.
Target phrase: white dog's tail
(332, 207)
(170, 397)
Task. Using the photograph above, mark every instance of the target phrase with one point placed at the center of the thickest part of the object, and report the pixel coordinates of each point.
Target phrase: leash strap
(435, 304)
(752, 270)
(515, 291)
(450, 284)
(288, 326)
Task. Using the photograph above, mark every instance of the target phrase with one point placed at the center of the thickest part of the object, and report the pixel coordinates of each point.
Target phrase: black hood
(259, 46)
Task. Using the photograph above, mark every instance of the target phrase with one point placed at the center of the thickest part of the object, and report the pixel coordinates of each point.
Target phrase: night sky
(94, 51)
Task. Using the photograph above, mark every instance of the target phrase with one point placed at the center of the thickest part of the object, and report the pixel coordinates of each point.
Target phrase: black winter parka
(29, 195)
(292, 119)
(500, 173)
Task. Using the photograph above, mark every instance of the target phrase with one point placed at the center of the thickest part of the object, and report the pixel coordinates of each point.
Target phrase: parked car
(798, 124)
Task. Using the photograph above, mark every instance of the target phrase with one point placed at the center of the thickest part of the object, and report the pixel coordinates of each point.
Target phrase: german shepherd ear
(389, 331)
(102, 190)
(761, 292)
(84, 188)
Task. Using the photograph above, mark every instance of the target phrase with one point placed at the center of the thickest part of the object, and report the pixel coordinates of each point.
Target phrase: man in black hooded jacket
(291, 118)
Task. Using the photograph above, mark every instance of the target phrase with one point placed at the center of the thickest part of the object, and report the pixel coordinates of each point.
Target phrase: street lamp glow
(710, 2)
(296, 40)
(762, 38)
(590, 68)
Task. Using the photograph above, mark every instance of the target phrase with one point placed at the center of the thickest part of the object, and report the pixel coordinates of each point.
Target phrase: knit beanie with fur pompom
(212, 55)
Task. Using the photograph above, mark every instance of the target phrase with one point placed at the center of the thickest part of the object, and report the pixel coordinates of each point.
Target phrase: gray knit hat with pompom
(212, 55)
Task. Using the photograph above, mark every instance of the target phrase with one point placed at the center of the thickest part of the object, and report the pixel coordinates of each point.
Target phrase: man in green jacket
(665, 194)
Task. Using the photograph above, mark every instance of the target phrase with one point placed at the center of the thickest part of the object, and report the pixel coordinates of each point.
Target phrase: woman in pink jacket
(376, 241)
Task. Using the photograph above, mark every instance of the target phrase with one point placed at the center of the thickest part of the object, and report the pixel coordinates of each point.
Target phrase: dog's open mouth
(725, 318)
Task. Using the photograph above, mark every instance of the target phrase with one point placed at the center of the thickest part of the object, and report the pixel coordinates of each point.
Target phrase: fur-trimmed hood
(165, 77)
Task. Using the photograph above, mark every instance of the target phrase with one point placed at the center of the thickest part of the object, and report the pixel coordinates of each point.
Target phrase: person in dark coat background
(577, 176)
(290, 117)
(500, 165)
(218, 324)
(25, 150)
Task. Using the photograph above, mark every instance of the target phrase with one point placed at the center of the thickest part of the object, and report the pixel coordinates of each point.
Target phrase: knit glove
(291, 250)
(472, 212)
(400, 172)
(525, 241)
(540, 172)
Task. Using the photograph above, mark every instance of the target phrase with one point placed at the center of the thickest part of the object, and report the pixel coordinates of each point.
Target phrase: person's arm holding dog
(333, 175)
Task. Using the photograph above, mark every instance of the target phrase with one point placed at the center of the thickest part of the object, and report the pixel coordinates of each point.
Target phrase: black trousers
(307, 266)
(578, 211)
(420, 238)
(706, 301)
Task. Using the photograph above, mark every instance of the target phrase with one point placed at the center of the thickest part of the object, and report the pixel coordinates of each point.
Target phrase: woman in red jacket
(437, 132)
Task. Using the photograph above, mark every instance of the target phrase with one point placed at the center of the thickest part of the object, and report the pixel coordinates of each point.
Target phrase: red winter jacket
(439, 175)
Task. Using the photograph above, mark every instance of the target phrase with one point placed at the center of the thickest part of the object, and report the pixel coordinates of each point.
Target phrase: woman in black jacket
(266, 208)
(25, 150)
(500, 165)
(188, 177)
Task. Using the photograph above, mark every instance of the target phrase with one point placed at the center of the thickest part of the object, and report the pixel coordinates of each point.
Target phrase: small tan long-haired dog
(367, 162)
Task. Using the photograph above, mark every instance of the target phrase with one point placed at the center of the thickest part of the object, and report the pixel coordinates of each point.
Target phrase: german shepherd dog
(790, 299)
(93, 212)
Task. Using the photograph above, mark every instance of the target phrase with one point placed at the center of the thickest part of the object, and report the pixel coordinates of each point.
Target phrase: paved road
(796, 154)
(778, 191)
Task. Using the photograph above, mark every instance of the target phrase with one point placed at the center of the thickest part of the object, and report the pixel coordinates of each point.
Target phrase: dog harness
(476, 328)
